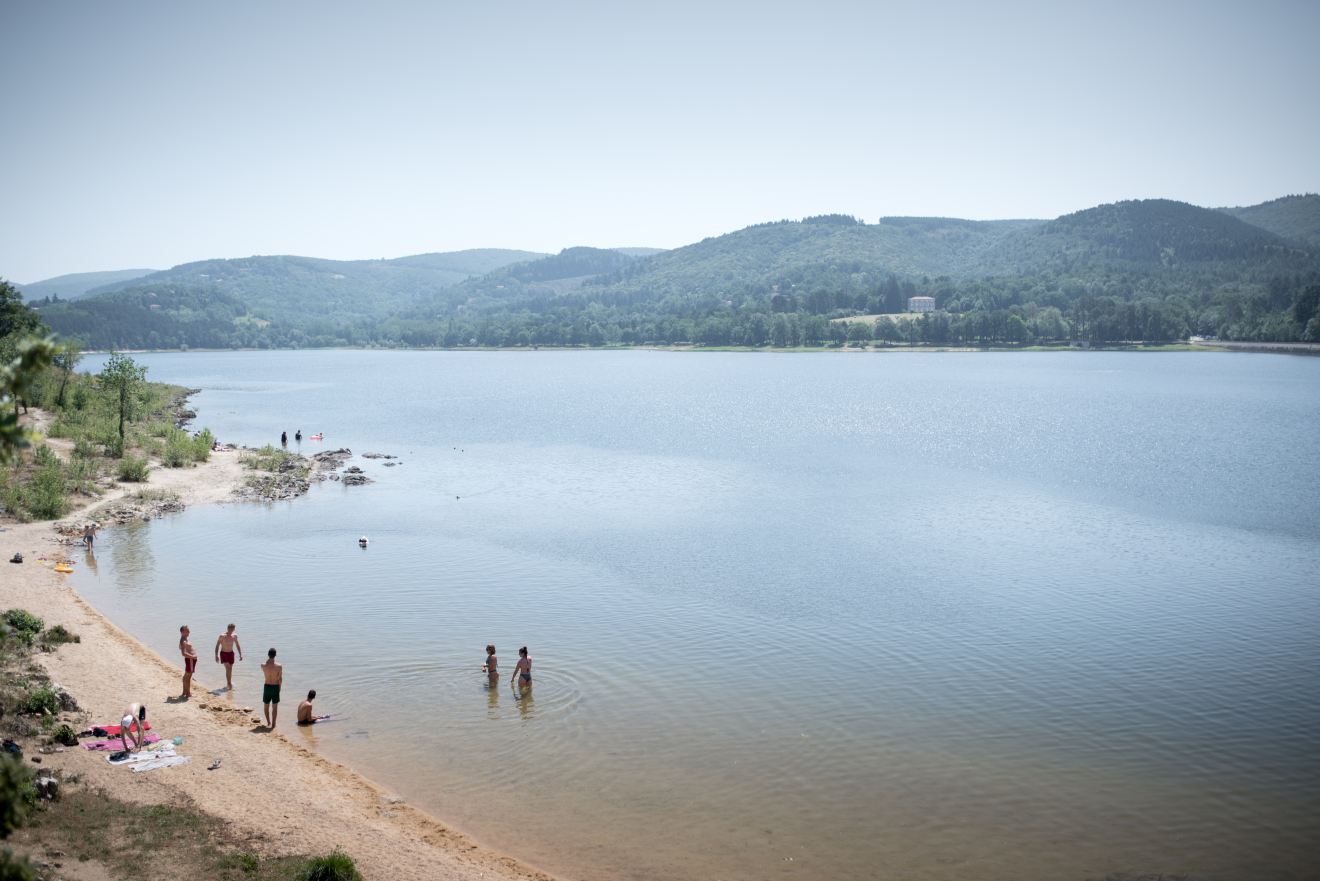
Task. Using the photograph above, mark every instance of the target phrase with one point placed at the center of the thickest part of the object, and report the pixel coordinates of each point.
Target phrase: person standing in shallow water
(224, 654)
(284, 438)
(189, 660)
(491, 667)
(270, 695)
(522, 671)
(297, 435)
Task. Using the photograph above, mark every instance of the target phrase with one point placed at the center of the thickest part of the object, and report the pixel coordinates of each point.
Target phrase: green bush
(82, 396)
(43, 497)
(133, 470)
(182, 448)
(44, 698)
(23, 621)
(83, 448)
(44, 456)
(15, 803)
(114, 448)
(59, 634)
(338, 866)
(12, 868)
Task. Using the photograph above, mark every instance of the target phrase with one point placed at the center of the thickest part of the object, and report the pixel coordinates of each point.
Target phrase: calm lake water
(934, 616)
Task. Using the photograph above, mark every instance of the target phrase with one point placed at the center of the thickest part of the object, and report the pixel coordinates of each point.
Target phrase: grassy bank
(83, 424)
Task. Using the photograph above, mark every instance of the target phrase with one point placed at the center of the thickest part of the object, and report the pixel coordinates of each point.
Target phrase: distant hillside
(72, 287)
(830, 251)
(545, 277)
(1293, 217)
(152, 317)
(639, 252)
(1149, 237)
(1151, 270)
(303, 288)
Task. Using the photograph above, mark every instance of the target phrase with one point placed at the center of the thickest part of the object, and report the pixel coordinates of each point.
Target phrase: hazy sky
(147, 135)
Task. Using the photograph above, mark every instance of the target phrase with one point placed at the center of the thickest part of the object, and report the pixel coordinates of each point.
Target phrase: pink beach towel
(110, 746)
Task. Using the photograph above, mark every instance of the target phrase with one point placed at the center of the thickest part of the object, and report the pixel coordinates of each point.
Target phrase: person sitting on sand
(274, 674)
(491, 665)
(305, 716)
(189, 660)
(134, 721)
(224, 654)
(522, 670)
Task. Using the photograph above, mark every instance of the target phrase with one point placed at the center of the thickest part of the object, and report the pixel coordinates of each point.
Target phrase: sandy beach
(276, 795)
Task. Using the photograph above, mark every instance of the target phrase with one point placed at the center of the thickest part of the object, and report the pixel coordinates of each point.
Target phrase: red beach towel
(113, 730)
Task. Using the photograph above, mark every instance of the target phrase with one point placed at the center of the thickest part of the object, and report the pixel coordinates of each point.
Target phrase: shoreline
(278, 795)
(1174, 346)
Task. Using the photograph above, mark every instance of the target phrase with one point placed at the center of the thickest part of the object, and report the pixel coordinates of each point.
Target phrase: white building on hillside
(921, 304)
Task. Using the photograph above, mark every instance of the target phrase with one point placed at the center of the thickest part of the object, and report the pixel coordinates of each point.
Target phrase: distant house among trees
(921, 304)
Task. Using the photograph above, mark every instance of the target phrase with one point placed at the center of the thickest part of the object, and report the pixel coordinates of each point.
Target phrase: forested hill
(300, 289)
(1138, 270)
(1153, 237)
(545, 277)
(830, 251)
(80, 284)
(1296, 218)
(156, 317)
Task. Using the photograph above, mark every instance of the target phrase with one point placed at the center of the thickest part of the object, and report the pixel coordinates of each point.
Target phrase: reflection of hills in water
(857, 611)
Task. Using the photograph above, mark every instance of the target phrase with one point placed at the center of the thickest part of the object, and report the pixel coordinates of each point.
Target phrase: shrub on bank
(23, 625)
(181, 448)
(133, 470)
(337, 866)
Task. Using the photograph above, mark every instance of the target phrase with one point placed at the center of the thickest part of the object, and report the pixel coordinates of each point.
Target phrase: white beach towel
(162, 762)
(164, 750)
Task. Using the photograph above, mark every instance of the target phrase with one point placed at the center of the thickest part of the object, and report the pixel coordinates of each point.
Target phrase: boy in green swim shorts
(270, 695)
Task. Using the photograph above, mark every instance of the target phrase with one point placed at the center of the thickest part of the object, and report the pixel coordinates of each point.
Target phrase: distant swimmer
(224, 654)
(522, 671)
(305, 716)
(189, 660)
(284, 438)
(270, 695)
(491, 665)
(362, 541)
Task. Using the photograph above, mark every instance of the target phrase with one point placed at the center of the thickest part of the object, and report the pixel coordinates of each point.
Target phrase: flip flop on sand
(214, 765)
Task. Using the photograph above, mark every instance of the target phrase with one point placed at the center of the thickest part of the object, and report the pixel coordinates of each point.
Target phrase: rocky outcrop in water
(357, 479)
(274, 487)
(330, 460)
(378, 456)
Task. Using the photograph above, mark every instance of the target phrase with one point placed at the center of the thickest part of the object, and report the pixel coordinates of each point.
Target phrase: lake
(928, 616)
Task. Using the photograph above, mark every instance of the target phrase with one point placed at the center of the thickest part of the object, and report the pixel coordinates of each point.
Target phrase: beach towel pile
(161, 756)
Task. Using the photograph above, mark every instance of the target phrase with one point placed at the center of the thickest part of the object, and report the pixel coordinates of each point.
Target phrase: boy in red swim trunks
(224, 654)
(189, 660)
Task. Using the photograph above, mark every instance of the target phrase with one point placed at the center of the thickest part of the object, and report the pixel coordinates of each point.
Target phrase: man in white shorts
(135, 717)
